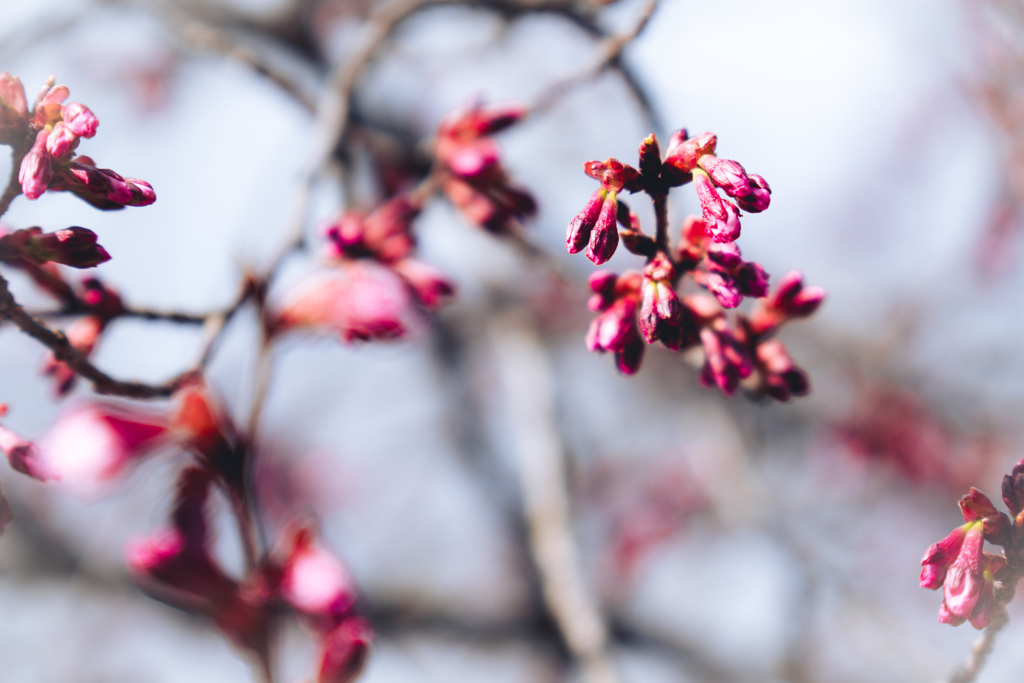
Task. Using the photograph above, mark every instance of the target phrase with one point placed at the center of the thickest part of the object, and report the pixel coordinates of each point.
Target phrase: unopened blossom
(360, 300)
(91, 445)
(594, 227)
(36, 171)
(314, 581)
(729, 278)
(729, 175)
(13, 110)
(74, 246)
(661, 311)
(780, 376)
(384, 234)
(721, 217)
(683, 153)
(101, 187)
(959, 566)
(789, 300)
(475, 181)
(344, 651)
(615, 328)
(760, 195)
(428, 285)
(727, 361)
(80, 119)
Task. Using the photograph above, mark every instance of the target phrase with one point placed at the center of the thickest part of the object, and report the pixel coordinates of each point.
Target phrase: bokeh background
(725, 540)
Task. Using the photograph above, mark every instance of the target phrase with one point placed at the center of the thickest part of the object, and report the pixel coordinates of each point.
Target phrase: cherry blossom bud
(1013, 489)
(939, 556)
(35, 172)
(650, 163)
(91, 445)
(660, 307)
(23, 455)
(48, 108)
(721, 218)
(102, 187)
(727, 362)
(729, 278)
(604, 237)
(80, 119)
(344, 651)
(614, 175)
(964, 578)
(61, 140)
(578, 233)
(789, 300)
(976, 505)
(726, 174)
(683, 154)
(361, 300)
(985, 608)
(314, 581)
(760, 195)
(12, 97)
(82, 334)
(781, 378)
(74, 246)
(428, 284)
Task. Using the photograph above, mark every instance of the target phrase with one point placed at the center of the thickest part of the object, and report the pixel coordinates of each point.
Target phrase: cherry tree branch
(982, 648)
(524, 371)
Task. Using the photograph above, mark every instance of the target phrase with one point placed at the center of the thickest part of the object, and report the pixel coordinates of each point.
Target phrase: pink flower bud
(682, 154)
(726, 174)
(92, 445)
(82, 334)
(22, 454)
(781, 377)
(650, 161)
(12, 95)
(74, 246)
(976, 505)
(721, 218)
(613, 174)
(428, 284)
(361, 300)
(939, 556)
(964, 578)
(80, 119)
(61, 140)
(102, 187)
(727, 362)
(578, 233)
(314, 581)
(604, 238)
(35, 172)
(344, 651)
(1013, 489)
(760, 195)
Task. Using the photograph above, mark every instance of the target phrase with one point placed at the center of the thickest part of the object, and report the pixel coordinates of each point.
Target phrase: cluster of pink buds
(470, 164)
(974, 582)
(90, 446)
(374, 284)
(45, 139)
(639, 308)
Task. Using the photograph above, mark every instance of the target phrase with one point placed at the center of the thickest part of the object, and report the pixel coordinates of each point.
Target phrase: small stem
(13, 186)
(661, 214)
(982, 648)
(240, 508)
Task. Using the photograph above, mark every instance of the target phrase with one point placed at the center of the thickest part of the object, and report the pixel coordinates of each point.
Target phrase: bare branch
(524, 371)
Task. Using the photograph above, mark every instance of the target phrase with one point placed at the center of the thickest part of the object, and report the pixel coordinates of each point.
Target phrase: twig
(609, 55)
(205, 36)
(64, 351)
(981, 648)
(13, 188)
(524, 372)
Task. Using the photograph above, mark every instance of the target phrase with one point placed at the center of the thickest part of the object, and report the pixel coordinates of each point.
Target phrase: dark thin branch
(63, 351)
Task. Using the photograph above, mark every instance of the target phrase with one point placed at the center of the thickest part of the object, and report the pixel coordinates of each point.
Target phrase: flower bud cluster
(975, 583)
(639, 308)
(473, 177)
(374, 284)
(45, 139)
(74, 246)
(90, 446)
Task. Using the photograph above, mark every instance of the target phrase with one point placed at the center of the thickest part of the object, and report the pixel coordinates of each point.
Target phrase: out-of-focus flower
(616, 298)
(314, 581)
(359, 300)
(87, 447)
(474, 179)
(729, 278)
(74, 246)
(344, 651)
(102, 305)
(788, 301)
